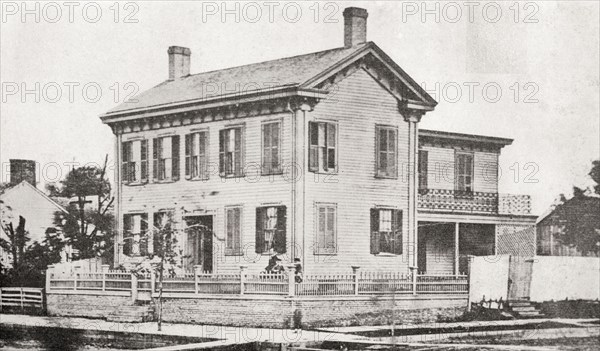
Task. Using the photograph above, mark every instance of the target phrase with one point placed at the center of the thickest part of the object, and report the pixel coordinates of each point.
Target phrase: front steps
(132, 314)
(524, 309)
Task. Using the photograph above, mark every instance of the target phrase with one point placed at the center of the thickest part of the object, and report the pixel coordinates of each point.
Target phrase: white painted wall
(565, 277)
(489, 278)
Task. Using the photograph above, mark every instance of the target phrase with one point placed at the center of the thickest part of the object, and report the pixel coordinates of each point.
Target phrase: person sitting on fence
(297, 270)
(274, 266)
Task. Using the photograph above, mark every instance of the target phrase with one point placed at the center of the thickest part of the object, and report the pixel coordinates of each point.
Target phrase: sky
(523, 70)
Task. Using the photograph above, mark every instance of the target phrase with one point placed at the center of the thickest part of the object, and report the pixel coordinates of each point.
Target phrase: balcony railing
(473, 202)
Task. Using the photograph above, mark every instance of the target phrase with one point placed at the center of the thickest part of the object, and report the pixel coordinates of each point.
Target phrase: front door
(199, 242)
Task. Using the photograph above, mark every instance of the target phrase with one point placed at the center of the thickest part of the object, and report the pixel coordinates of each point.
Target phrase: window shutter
(155, 150)
(203, 155)
(143, 236)
(331, 146)
(175, 157)
(237, 247)
(423, 168)
(275, 149)
(157, 249)
(374, 231)
(222, 148)
(188, 154)
(144, 160)
(127, 237)
(260, 235)
(124, 159)
(280, 239)
(266, 151)
(393, 169)
(313, 155)
(238, 152)
(397, 228)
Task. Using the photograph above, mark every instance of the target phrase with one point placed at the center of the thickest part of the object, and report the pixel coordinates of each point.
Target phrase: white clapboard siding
(358, 105)
(441, 168)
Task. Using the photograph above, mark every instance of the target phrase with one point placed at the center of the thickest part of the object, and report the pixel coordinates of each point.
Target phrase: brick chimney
(355, 26)
(21, 170)
(179, 62)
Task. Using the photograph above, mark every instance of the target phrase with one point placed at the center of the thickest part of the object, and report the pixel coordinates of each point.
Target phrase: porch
(444, 247)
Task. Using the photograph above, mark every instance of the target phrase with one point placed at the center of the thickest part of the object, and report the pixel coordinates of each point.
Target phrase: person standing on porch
(297, 270)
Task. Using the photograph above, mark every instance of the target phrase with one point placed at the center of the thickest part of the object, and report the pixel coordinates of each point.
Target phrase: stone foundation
(274, 311)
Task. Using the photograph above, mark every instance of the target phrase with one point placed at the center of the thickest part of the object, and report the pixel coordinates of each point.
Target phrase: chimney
(179, 62)
(21, 170)
(355, 26)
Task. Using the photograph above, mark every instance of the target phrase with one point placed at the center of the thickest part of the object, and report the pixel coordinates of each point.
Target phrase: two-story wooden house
(312, 156)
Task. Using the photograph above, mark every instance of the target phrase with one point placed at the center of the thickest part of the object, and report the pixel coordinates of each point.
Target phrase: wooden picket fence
(245, 283)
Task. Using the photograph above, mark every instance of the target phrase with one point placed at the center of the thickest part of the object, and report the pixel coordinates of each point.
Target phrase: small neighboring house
(37, 208)
(551, 225)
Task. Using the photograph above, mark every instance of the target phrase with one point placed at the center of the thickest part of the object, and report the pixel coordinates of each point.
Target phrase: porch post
(355, 273)
(413, 117)
(134, 287)
(105, 269)
(291, 279)
(49, 272)
(242, 279)
(456, 248)
(197, 271)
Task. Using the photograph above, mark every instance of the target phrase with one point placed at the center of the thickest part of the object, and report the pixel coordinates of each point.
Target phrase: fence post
(134, 287)
(414, 273)
(152, 282)
(242, 278)
(22, 308)
(197, 271)
(49, 272)
(355, 272)
(291, 269)
(75, 280)
(105, 268)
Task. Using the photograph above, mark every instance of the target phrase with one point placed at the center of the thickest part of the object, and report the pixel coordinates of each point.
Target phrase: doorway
(199, 243)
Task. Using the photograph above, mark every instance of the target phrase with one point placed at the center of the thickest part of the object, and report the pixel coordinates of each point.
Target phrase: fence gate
(519, 277)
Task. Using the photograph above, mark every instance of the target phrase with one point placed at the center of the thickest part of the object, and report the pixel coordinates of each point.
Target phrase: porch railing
(244, 283)
(473, 202)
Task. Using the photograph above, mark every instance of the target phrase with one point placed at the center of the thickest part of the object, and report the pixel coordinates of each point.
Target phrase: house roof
(580, 206)
(26, 185)
(302, 71)
(453, 138)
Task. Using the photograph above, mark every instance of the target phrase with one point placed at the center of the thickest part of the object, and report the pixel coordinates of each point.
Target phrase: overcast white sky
(546, 67)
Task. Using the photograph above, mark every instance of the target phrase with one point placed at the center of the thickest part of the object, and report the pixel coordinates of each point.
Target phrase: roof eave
(472, 138)
(212, 102)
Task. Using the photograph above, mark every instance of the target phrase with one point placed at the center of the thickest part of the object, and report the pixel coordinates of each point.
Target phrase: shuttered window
(386, 231)
(233, 231)
(196, 155)
(166, 158)
(386, 151)
(230, 152)
(326, 219)
(322, 155)
(134, 163)
(271, 148)
(135, 228)
(464, 173)
(271, 229)
(423, 169)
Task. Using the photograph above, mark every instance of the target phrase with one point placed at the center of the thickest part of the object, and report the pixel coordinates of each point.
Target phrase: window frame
(129, 233)
(318, 250)
(222, 154)
(458, 175)
(232, 251)
(261, 230)
(319, 155)
(189, 158)
(268, 170)
(388, 129)
(396, 230)
(159, 161)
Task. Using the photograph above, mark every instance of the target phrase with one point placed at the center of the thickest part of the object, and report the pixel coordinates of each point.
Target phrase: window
(423, 169)
(134, 161)
(271, 149)
(322, 155)
(160, 221)
(326, 229)
(386, 231)
(386, 152)
(135, 227)
(270, 229)
(464, 173)
(230, 152)
(196, 155)
(166, 158)
(233, 231)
